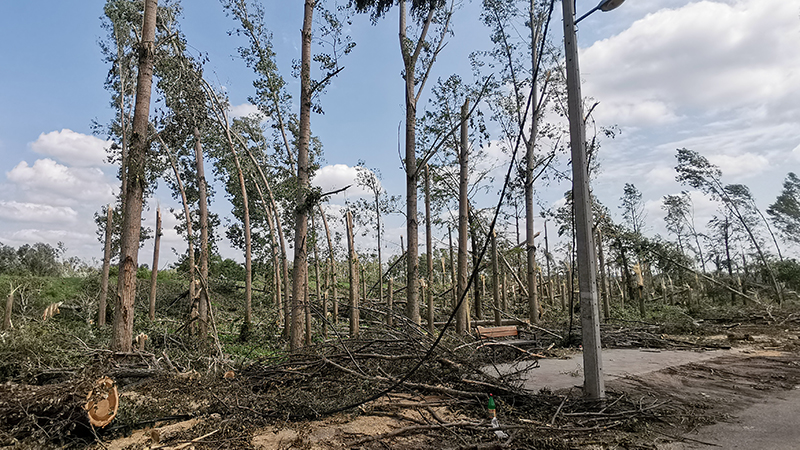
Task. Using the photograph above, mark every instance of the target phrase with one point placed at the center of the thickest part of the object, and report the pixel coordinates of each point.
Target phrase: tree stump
(102, 402)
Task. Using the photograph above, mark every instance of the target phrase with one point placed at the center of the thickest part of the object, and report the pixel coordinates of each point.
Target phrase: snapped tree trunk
(352, 260)
(101, 309)
(428, 231)
(202, 189)
(332, 264)
(135, 186)
(154, 271)
(496, 282)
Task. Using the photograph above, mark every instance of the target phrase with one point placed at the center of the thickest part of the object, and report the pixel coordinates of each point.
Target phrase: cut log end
(102, 402)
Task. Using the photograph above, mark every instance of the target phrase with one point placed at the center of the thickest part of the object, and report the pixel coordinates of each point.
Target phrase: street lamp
(593, 383)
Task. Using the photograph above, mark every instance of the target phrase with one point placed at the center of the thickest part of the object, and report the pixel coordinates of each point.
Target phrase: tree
(381, 203)
(135, 186)
(418, 56)
(785, 212)
(633, 208)
(696, 171)
(515, 114)
(680, 221)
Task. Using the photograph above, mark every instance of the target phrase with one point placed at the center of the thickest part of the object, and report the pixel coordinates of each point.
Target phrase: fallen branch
(411, 428)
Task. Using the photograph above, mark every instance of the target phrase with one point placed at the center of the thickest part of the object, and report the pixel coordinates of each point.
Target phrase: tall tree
(680, 221)
(418, 55)
(519, 110)
(135, 185)
(633, 208)
(381, 203)
(785, 212)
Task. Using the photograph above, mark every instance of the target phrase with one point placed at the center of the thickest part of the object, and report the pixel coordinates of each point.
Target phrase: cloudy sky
(720, 77)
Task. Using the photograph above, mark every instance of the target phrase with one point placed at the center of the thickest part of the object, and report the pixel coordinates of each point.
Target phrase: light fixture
(604, 5)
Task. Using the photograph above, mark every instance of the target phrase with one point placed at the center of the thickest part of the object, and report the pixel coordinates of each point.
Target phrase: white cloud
(244, 110)
(52, 183)
(705, 57)
(72, 148)
(660, 176)
(33, 212)
(52, 237)
(337, 176)
(740, 166)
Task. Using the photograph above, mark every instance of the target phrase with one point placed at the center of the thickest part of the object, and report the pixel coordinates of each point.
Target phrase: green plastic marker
(491, 406)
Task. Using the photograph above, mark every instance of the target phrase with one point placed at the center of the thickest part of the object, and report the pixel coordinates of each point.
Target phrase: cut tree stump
(102, 402)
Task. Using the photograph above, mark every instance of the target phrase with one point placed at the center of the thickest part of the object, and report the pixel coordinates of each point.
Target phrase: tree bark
(202, 189)
(101, 309)
(135, 186)
(318, 289)
(352, 260)
(603, 280)
(301, 209)
(390, 302)
(463, 220)
(530, 245)
(428, 230)
(496, 282)
(9, 307)
(332, 264)
(154, 270)
(188, 215)
(248, 246)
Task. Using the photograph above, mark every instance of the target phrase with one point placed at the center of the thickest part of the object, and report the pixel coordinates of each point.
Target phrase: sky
(721, 77)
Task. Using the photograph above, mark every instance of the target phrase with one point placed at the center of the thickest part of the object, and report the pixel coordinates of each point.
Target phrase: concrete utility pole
(593, 382)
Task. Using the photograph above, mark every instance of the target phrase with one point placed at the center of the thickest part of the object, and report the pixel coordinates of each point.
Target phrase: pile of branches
(341, 375)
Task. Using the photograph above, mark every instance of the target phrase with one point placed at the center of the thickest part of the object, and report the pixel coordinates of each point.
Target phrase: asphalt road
(770, 424)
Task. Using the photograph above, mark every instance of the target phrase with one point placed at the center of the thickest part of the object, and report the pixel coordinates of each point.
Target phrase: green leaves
(785, 212)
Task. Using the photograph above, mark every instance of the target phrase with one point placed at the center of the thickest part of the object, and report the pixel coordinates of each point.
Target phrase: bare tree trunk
(276, 256)
(530, 245)
(135, 186)
(332, 260)
(202, 308)
(729, 262)
(453, 283)
(603, 280)
(477, 287)
(352, 259)
(9, 307)
(301, 209)
(307, 304)
(279, 255)
(248, 246)
(427, 294)
(463, 218)
(101, 309)
(318, 289)
(390, 302)
(496, 282)
(188, 215)
(428, 231)
(154, 271)
(380, 260)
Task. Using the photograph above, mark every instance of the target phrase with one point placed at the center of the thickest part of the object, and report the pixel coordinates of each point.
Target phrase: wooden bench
(496, 332)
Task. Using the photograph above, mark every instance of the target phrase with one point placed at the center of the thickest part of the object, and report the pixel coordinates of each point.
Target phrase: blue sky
(721, 77)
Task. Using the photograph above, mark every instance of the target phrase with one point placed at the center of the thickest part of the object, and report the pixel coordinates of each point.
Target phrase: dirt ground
(262, 408)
